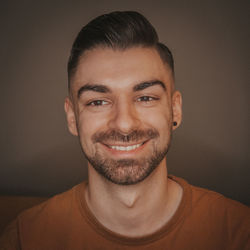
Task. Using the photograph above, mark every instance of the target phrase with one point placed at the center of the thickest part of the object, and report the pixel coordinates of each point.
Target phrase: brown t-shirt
(203, 220)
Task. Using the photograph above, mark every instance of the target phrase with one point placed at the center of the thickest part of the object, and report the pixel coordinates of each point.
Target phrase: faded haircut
(117, 30)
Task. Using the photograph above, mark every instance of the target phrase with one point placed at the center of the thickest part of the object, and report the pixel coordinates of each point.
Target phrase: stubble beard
(128, 171)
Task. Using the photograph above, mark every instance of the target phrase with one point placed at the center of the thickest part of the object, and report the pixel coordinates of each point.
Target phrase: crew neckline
(100, 229)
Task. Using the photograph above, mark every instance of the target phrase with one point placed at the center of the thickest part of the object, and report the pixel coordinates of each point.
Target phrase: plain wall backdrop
(209, 40)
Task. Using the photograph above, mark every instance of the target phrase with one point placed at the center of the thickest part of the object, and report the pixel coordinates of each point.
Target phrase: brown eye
(146, 99)
(97, 103)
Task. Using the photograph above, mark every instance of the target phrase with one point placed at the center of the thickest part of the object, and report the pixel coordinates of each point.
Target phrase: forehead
(120, 69)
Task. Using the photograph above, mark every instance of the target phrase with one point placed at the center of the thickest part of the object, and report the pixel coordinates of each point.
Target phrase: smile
(127, 148)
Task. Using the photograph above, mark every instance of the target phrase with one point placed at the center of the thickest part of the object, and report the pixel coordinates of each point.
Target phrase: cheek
(88, 125)
(160, 119)
(162, 124)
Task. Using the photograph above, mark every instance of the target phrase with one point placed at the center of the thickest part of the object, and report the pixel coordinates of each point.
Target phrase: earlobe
(70, 115)
(177, 109)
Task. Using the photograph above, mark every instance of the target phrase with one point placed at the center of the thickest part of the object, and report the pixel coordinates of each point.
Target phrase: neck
(133, 210)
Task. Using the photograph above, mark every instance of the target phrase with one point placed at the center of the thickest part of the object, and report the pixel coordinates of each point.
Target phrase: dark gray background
(209, 40)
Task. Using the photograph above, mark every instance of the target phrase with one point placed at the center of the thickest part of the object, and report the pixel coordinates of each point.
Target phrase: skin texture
(125, 100)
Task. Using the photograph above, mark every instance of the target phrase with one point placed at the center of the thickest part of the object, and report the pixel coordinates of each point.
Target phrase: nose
(125, 118)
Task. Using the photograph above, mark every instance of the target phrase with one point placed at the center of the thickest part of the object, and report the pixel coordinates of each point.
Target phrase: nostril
(124, 119)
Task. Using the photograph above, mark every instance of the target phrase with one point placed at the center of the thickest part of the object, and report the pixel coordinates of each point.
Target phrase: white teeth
(128, 148)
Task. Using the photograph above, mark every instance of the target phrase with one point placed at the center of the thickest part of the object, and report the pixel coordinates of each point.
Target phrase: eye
(97, 103)
(146, 99)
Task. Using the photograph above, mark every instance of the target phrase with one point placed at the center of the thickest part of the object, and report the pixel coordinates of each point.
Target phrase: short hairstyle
(117, 30)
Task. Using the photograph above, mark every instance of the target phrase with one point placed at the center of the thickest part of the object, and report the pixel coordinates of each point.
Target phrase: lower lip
(124, 152)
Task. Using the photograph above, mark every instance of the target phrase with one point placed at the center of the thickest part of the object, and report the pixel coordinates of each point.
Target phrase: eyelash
(145, 99)
(97, 103)
(148, 99)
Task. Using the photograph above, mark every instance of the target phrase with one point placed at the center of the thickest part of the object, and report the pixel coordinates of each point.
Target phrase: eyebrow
(144, 85)
(104, 89)
(93, 87)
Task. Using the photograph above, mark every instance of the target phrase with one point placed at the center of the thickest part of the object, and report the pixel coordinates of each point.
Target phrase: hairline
(118, 48)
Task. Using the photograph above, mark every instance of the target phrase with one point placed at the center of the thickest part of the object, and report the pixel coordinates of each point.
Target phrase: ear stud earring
(174, 123)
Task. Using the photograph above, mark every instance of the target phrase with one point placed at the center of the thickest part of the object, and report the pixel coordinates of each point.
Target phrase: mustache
(115, 135)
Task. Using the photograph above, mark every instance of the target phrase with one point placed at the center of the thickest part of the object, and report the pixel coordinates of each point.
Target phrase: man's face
(122, 108)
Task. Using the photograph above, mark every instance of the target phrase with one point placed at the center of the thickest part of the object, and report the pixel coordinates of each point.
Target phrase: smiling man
(123, 113)
(123, 106)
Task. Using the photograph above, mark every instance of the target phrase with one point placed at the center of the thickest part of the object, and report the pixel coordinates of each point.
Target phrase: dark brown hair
(117, 30)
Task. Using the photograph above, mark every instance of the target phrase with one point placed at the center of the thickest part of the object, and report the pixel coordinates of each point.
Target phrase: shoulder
(52, 214)
(211, 207)
(218, 202)
(57, 204)
(205, 197)
(212, 215)
(34, 221)
(230, 218)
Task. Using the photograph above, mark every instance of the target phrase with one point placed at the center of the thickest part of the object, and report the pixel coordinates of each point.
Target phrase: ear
(177, 109)
(70, 115)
